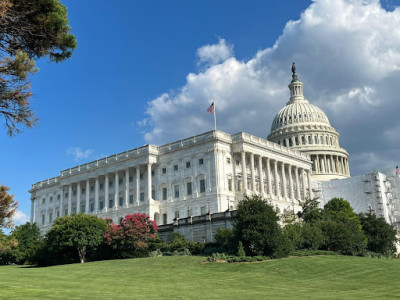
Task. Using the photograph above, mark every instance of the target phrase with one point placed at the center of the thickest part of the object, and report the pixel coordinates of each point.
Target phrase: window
(203, 210)
(202, 185)
(189, 188)
(230, 184)
(121, 201)
(111, 203)
(43, 200)
(65, 212)
(164, 193)
(239, 185)
(177, 214)
(176, 168)
(43, 219)
(58, 197)
(228, 160)
(141, 175)
(83, 191)
(315, 139)
(152, 173)
(58, 214)
(66, 195)
(322, 139)
(74, 193)
(83, 208)
(51, 199)
(303, 140)
(120, 181)
(176, 190)
(309, 139)
(201, 161)
(50, 217)
(187, 164)
(110, 184)
(284, 143)
(92, 188)
(130, 178)
(130, 199)
(153, 194)
(189, 212)
(238, 163)
(164, 170)
(142, 196)
(296, 140)
(101, 205)
(92, 207)
(101, 186)
(164, 219)
(290, 142)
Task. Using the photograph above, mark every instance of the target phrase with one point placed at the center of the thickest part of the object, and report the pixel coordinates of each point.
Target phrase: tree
(80, 232)
(7, 247)
(381, 236)
(255, 224)
(29, 30)
(28, 238)
(7, 207)
(310, 210)
(131, 238)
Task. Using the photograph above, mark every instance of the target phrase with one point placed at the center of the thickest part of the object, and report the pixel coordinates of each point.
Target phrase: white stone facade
(190, 177)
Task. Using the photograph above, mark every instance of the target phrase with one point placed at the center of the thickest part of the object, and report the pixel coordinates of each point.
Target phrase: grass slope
(319, 277)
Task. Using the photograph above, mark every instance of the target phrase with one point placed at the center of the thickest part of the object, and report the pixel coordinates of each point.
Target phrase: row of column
(308, 140)
(286, 168)
(323, 164)
(97, 193)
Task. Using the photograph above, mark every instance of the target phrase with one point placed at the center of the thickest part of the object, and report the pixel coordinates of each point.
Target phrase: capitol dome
(305, 127)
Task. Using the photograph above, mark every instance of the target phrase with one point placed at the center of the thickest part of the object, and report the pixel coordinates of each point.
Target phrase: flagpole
(215, 116)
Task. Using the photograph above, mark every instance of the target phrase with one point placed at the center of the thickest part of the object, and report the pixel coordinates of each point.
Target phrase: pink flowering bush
(132, 237)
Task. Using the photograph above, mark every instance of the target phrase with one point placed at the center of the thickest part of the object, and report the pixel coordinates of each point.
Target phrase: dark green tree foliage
(28, 239)
(341, 228)
(78, 233)
(310, 211)
(29, 30)
(224, 238)
(256, 226)
(381, 236)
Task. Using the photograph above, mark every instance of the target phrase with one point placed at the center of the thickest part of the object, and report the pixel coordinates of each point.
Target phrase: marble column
(62, 202)
(32, 209)
(116, 190)
(284, 181)
(253, 175)
(303, 177)
(269, 177)
(296, 169)
(309, 184)
(317, 166)
(291, 182)
(126, 187)
(138, 185)
(87, 190)
(106, 192)
(277, 191)
(244, 171)
(260, 171)
(96, 195)
(149, 185)
(69, 199)
(78, 198)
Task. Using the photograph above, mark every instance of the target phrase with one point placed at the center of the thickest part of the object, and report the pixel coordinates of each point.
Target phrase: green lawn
(319, 277)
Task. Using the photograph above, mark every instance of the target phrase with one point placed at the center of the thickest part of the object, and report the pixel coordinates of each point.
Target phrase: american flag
(211, 108)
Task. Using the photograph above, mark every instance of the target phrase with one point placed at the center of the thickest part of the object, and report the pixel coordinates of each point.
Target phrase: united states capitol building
(192, 185)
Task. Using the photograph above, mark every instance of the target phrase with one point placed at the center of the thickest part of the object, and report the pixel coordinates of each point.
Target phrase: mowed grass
(317, 277)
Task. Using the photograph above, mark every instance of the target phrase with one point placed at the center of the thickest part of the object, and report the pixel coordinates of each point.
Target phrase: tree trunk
(81, 255)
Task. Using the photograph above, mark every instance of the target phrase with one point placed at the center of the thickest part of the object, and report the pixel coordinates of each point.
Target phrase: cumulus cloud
(347, 54)
(213, 54)
(20, 218)
(78, 154)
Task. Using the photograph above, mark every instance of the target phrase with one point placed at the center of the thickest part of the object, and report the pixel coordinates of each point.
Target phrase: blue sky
(144, 72)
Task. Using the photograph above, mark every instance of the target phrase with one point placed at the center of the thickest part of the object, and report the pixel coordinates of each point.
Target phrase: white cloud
(20, 218)
(214, 54)
(347, 54)
(77, 153)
